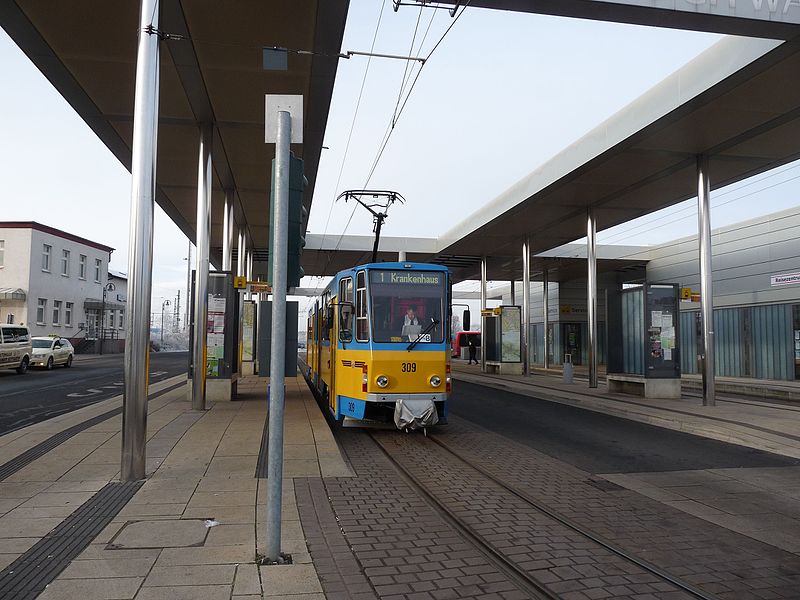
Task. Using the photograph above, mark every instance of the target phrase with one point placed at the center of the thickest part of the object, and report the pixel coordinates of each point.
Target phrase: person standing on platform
(473, 350)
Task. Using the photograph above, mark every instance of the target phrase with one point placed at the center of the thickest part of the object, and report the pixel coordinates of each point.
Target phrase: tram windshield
(405, 305)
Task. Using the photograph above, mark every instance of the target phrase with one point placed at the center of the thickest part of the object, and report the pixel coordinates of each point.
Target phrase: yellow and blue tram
(378, 340)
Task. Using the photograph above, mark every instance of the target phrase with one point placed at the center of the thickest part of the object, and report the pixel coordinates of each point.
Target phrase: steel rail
(570, 524)
(533, 588)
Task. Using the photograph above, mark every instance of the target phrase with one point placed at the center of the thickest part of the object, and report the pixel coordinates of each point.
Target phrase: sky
(501, 94)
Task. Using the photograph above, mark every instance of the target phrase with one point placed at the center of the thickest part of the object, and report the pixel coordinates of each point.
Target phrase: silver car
(51, 351)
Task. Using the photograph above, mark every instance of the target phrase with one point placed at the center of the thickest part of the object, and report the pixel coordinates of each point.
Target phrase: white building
(58, 283)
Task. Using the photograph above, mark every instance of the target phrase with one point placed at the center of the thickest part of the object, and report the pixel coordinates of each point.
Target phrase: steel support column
(401, 256)
(280, 235)
(227, 232)
(546, 319)
(201, 274)
(240, 254)
(483, 307)
(513, 291)
(591, 294)
(526, 307)
(249, 273)
(706, 293)
(140, 258)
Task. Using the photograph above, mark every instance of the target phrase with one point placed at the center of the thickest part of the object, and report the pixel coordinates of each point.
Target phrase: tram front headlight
(382, 381)
(436, 381)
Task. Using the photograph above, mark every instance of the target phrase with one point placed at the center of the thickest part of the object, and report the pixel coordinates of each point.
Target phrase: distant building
(53, 282)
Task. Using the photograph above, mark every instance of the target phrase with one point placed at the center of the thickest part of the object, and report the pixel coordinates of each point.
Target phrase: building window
(46, 249)
(122, 319)
(109, 319)
(2, 253)
(10, 319)
(56, 312)
(41, 309)
(82, 266)
(68, 315)
(98, 267)
(65, 263)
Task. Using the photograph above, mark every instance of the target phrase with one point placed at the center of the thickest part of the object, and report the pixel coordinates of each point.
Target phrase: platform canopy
(211, 71)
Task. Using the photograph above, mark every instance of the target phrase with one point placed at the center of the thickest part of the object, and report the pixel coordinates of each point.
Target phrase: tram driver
(411, 324)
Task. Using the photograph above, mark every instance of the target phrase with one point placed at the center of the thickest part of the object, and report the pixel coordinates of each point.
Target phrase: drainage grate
(23, 460)
(26, 577)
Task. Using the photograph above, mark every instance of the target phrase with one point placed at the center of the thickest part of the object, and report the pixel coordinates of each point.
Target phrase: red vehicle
(461, 340)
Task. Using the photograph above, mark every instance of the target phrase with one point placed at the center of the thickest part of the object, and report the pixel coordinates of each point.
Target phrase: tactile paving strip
(23, 460)
(26, 577)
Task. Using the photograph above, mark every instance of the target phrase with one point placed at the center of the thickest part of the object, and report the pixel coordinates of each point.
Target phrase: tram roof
(87, 50)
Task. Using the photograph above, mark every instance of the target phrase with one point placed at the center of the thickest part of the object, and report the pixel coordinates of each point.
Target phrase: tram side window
(346, 304)
(325, 330)
(362, 320)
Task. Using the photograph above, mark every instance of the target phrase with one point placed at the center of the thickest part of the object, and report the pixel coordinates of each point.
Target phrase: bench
(623, 383)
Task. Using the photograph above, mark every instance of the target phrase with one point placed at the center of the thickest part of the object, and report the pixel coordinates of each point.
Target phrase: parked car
(51, 351)
(15, 347)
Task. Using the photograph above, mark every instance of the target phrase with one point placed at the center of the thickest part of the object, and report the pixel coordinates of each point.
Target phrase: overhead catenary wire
(353, 122)
(398, 113)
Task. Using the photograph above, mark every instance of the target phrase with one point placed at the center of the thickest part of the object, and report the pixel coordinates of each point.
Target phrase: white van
(15, 347)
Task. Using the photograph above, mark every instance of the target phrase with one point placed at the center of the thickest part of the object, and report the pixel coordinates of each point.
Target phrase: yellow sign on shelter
(239, 283)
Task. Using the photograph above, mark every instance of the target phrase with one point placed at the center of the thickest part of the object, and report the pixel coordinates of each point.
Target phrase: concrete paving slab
(231, 535)
(106, 568)
(247, 581)
(226, 515)
(226, 484)
(206, 555)
(222, 499)
(188, 592)
(161, 534)
(118, 588)
(197, 575)
(285, 580)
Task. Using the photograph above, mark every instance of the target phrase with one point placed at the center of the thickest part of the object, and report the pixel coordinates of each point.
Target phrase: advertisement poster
(248, 323)
(215, 336)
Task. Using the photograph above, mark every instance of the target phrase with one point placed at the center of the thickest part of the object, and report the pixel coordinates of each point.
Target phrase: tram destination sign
(407, 278)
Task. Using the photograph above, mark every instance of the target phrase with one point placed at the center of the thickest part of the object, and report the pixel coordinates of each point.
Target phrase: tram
(378, 345)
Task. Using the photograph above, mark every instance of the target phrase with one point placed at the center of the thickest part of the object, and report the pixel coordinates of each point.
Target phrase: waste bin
(568, 368)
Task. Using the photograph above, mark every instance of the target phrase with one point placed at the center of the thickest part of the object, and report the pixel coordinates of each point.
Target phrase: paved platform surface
(359, 526)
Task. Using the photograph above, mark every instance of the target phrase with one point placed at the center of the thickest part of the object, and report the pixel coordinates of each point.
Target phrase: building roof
(118, 274)
(54, 231)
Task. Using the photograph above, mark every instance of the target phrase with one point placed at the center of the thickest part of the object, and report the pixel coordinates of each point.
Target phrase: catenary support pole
(526, 307)
(240, 255)
(227, 232)
(187, 320)
(280, 233)
(201, 275)
(484, 341)
(140, 259)
(706, 293)
(591, 293)
(546, 317)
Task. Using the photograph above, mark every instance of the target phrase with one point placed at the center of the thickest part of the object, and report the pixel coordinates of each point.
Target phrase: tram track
(388, 443)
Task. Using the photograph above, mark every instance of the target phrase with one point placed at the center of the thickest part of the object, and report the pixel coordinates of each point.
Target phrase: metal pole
(249, 263)
(140, 257)
(591, 294)
(227, 232)
(513, 292)
(240, 254)
(201, 275)
(706, 298)
(484, 341)
(526, 306)
(280, 232)
(546, 320)
(188, 287)
(401, 256)
(100, 322)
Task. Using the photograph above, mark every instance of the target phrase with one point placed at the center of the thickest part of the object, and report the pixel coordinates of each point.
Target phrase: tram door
(326, 352)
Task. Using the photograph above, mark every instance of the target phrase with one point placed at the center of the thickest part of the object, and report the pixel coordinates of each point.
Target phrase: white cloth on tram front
(415, 413)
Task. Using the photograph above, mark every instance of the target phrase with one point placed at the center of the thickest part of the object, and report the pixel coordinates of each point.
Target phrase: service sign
(785, 279)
